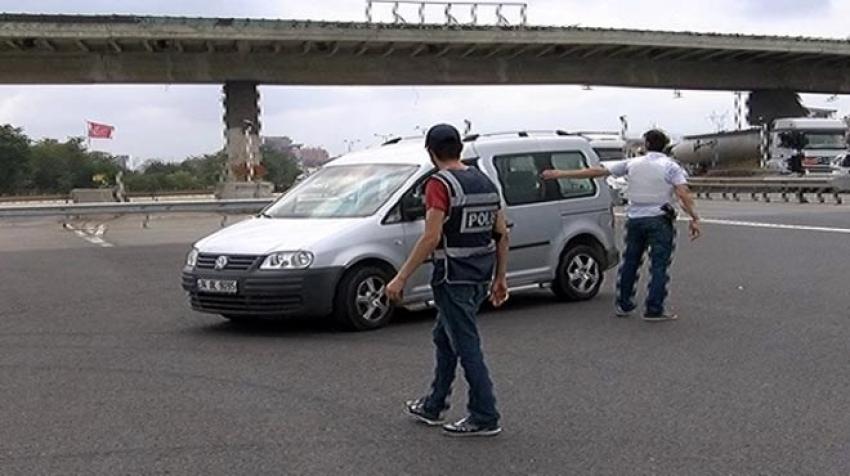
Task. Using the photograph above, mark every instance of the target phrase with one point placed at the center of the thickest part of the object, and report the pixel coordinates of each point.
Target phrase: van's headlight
(192, 258)
(288, 260)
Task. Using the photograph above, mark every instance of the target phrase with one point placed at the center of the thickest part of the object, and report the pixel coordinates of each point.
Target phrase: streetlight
(349, 144)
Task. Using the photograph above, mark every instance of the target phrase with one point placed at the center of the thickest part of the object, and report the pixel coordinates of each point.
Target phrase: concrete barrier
(92, 195)
(243, 190)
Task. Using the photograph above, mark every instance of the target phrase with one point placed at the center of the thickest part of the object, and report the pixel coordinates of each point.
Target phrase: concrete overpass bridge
(54, 49)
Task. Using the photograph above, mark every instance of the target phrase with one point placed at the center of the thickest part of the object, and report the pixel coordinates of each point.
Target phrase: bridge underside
(65, 50)
(403, 68)
(50, 49)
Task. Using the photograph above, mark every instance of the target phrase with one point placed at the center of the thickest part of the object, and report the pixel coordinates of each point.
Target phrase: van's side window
(520, 178)
(521, 183)
(573, 188)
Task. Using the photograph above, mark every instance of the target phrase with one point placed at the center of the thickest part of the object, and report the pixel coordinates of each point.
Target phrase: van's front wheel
(361, 301)
(579, 274)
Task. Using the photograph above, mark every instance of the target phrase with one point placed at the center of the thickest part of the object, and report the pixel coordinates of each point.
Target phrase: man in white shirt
(654, 180)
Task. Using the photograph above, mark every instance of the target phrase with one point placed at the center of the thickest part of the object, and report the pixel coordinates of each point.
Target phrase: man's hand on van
(588, 173)
(395, 290)
(550, 174)
(499, 292)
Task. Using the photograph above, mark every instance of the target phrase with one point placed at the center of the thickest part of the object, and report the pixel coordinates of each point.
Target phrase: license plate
(218, 286)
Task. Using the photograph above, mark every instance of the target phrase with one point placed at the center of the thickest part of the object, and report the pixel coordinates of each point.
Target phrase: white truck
(755, 147)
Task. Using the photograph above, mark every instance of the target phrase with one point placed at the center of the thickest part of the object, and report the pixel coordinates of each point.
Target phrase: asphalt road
(104, 369)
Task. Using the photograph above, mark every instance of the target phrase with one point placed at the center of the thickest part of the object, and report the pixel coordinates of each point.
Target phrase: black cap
(442, 134)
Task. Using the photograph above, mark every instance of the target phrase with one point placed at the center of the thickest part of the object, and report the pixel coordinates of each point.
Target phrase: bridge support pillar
(242, 141)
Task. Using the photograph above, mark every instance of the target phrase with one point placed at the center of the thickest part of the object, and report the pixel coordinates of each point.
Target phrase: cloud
(761, 9)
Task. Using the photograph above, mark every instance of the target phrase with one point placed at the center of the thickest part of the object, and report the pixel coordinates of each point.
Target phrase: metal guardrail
(762, 188)
(151, 208)
(130, 195)
(703, 187)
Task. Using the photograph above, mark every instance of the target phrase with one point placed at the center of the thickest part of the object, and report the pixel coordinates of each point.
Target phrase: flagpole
(87, 136)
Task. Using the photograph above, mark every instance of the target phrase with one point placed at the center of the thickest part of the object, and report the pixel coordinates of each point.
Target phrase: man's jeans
(659, 236)
(456, 337)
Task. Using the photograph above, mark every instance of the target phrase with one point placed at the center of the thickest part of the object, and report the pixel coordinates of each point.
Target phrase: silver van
(329, 246)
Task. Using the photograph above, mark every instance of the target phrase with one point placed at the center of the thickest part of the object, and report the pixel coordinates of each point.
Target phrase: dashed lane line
(91, 235)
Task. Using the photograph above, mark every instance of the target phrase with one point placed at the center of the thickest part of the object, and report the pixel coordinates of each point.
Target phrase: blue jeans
(658, 235)
(456, 338)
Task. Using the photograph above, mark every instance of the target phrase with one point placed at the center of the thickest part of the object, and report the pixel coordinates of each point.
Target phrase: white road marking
(773, 226)
(92, 235)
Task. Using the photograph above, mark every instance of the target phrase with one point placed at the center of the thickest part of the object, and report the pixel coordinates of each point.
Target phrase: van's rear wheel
(580, 275)
(361, 301)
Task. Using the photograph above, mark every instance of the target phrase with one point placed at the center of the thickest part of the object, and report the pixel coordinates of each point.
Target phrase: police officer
(466, 234)
(654, 180)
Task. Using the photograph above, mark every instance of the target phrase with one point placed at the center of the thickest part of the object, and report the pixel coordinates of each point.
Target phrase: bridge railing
(450, 11)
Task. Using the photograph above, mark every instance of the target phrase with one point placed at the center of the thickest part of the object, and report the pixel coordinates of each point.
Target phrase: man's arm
(687, 201)
(426, 245)
(499, 289)
(591, 172)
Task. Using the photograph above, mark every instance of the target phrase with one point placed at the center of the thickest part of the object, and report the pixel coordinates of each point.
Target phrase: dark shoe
(416, 409)
(467, 428)
(622, 313)
(659, 317)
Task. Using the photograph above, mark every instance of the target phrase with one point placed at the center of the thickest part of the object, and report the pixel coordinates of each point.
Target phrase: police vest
(648, 181)
(466, 254)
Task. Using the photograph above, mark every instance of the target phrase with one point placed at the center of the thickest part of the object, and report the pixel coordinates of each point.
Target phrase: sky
(175, 121)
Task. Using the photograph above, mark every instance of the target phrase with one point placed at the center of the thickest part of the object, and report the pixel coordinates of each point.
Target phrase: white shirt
(673, 174)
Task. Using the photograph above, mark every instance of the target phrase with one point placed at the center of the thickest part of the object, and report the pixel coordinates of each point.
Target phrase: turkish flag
(100, 131)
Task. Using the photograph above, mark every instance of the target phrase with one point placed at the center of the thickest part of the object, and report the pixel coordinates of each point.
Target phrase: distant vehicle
(826, 139)
(330, 245)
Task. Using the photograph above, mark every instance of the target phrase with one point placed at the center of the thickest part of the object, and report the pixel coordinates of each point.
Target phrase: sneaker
(621, 313)
(659, 317)
(416, 409)
(467, 428)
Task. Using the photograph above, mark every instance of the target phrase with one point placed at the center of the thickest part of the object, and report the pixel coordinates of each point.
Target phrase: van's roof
(412, 150)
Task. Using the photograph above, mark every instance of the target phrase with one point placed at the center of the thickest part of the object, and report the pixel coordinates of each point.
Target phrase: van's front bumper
(266, 294)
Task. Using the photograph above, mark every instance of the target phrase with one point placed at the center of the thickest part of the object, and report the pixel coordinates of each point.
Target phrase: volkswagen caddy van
(329, 246)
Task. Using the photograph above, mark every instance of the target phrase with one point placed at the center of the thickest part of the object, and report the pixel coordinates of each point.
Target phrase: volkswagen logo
(221, 262)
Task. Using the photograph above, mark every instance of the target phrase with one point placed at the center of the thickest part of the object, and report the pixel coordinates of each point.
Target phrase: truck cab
(826, 140)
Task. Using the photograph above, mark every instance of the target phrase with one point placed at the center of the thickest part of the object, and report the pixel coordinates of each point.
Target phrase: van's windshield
(343, 191)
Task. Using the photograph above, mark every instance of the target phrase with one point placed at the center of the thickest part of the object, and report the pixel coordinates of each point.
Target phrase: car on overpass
(329, 246)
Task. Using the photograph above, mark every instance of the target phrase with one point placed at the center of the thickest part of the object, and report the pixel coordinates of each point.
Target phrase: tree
(58, 167)
(282, 168)
(209, 168)
(14, 159)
